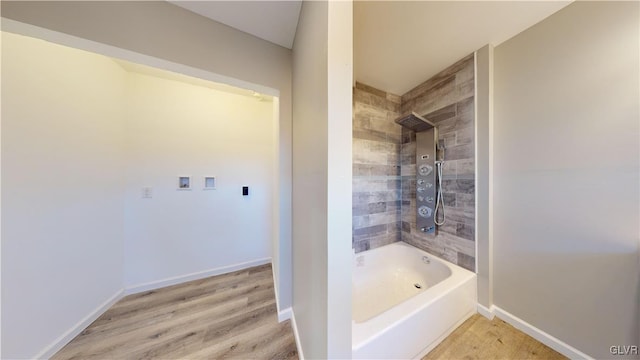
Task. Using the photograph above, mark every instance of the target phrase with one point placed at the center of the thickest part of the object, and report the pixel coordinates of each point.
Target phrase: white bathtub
(393, 318)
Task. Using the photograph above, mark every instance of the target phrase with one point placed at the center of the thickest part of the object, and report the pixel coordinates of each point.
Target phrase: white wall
(339, 177)
(322, 81)
(155, 33)
(566, 229)
(82, 137)
(62, 186)
(310, 134)
(174, 128)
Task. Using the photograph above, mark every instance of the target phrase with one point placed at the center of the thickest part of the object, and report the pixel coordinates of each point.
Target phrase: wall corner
(484, 171)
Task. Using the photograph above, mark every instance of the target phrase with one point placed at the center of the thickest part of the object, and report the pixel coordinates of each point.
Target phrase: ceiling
(173, 76)
(400, 44)
(274, 21)
(397, 44)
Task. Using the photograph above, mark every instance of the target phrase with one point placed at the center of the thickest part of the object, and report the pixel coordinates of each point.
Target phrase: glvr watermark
(624, 350)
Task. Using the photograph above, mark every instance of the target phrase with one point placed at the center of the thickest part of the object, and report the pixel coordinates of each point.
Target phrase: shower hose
(439, 199)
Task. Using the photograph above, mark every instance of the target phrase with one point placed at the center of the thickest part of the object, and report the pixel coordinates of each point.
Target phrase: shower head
(415, 122)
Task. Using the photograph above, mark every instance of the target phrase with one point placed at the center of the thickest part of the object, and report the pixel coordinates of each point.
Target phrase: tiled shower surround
(447, 99)
(376, 168)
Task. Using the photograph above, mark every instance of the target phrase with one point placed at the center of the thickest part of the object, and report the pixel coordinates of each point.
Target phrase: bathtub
(405, 301)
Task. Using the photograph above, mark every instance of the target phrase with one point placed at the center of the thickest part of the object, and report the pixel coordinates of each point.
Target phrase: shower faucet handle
(425, 169)
(429, 229)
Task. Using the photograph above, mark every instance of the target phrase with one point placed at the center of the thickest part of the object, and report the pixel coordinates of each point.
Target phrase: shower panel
(425, 180)
(426, 134)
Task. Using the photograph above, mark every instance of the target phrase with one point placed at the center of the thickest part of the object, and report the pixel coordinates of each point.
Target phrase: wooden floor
(221, 317)
(481, 338)
(233, 316)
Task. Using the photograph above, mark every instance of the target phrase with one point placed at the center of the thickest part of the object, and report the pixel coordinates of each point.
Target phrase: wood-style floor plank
(234, 316)
(227, 316)
(480, 338)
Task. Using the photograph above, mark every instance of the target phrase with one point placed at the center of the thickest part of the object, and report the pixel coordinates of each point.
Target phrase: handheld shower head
(440, 151)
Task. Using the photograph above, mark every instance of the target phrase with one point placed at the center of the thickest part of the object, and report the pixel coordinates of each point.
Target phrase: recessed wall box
(184, 183)
(209, 183)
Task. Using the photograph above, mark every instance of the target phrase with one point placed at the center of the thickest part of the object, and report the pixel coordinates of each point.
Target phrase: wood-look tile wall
(384, 156)
(384, 172)
(376, 168)
(447, 99)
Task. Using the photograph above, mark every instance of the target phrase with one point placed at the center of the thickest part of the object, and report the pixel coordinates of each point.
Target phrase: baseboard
(486, 312)
(552, 342)
(296, 335)
(284, 314)
(193, 276)
(64, 339)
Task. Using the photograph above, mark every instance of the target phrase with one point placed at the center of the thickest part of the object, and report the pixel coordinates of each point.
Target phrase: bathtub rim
(369, 330)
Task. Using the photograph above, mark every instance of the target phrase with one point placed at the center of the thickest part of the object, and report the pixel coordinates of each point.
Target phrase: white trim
(193, 276)
(76, 329)
(296, 335)
(552, 342)
(284, 314)
(486, 312)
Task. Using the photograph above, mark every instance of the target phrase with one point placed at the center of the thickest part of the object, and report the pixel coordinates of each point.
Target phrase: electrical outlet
(147, 192)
